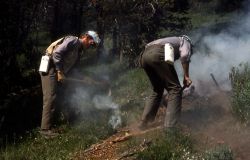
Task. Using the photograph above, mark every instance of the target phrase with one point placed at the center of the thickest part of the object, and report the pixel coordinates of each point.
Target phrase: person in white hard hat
(63, 53)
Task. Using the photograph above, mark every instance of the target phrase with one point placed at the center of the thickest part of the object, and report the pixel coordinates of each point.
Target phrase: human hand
(60, 76)
(187, 82)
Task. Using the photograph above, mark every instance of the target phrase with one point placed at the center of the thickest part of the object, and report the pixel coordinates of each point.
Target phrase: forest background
(28, 27)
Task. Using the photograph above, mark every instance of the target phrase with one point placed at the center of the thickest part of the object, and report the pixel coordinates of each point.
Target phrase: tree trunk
(115, 41)
(56, 24)
(101, 31)
(121, 46)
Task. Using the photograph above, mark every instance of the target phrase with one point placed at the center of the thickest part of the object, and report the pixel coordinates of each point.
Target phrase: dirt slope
(209, 120)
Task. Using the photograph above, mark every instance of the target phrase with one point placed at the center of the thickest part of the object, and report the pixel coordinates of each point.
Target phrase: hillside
(99, 125)
(207, 121)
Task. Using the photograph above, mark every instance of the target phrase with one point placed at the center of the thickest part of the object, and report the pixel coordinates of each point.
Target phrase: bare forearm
(185, 66)
(186, 80)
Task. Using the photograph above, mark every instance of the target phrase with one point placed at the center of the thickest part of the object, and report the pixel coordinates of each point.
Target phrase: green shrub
(240, 80)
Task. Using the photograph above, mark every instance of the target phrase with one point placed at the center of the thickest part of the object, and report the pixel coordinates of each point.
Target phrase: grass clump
(172, 145)
(241, 92)
(178, 146)
(133, 85)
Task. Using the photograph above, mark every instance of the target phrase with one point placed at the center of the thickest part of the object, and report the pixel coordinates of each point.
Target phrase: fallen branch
(93, 147)
(144, 145)
(123, 138)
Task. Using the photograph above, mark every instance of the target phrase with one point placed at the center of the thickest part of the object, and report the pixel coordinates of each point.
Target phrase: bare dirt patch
(211, 122)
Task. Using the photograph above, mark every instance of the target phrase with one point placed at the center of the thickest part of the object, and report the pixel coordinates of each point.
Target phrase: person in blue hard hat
(63, 55)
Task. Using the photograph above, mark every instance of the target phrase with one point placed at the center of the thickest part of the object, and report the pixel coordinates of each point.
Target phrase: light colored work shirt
(66, 54)
(182, 47)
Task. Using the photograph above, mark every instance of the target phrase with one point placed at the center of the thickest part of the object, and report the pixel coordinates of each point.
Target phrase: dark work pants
(49, 86)
(162, 76)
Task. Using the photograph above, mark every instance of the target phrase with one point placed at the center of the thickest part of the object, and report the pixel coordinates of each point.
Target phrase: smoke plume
(84, 100)
(218, 52)
(92, 100)
(105, 102)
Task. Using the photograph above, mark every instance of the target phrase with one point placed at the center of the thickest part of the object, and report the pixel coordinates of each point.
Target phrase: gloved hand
(60, 76)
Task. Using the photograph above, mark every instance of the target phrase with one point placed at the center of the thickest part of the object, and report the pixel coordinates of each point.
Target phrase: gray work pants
(162, 76)
(49, 87)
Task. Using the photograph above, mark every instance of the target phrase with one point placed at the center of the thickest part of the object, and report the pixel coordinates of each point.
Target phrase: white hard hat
(95, 36)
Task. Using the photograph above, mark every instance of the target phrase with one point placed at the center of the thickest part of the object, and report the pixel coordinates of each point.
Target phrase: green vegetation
(73, 139)
(179, 146)
(198, 20)
(125, 89)
(133, 82)
(93, 127)
(170, 145)
(241, 91)
(22, 46)
(90, 127)
(125, 26)
(219, 153)
(128, 85)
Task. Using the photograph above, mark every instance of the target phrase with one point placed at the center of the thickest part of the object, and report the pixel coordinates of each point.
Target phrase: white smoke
(105, 102)
(83, 100)
(115, 120)
(218, 53)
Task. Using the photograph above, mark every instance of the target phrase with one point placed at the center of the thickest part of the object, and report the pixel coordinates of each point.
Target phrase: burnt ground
(208, 119)
(211, 122)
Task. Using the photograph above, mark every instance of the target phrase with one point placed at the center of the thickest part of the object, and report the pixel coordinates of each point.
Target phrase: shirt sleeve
(185, 51)
(61, 50)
